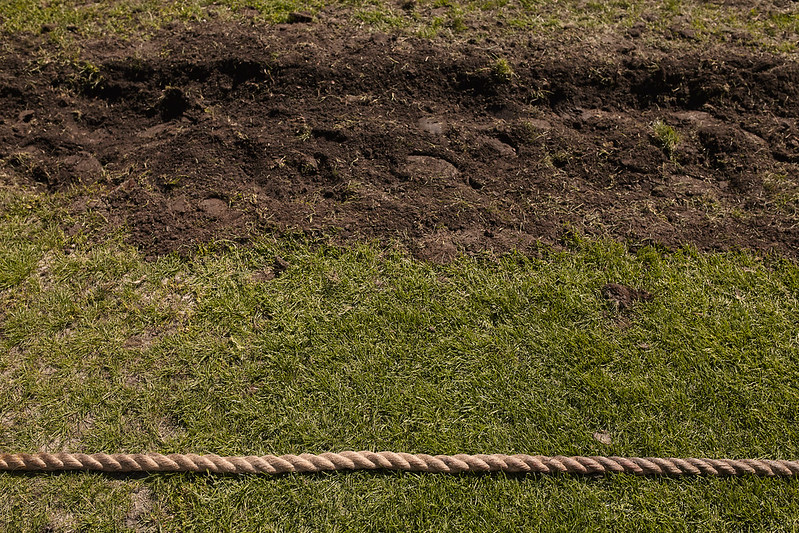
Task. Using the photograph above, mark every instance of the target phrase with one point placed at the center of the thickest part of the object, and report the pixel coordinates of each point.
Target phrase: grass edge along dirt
(764, 26)
(332, 348)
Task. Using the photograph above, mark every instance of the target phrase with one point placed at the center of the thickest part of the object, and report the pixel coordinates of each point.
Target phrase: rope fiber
(406, 462)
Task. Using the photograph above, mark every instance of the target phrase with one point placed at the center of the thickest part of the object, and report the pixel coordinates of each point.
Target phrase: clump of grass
(383, 18)
(502, 71)
(665, 136)
(782, 193)
(304, 132)
(28, 165)
(560, 159)
(88, 78)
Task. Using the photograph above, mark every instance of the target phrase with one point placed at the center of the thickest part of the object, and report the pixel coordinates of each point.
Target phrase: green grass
(764, 25)
(665, 136)
(364, 348)
(502, 71)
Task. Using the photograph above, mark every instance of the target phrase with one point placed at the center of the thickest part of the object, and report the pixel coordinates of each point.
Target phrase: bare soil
(228, 131)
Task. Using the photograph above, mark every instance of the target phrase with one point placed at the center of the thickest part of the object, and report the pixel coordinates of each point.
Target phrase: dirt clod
(300, 18)
(622, 296)
(428, 169)
(214, 207)
(280, 266)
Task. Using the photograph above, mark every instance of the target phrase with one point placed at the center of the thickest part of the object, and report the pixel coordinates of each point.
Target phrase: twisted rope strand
(366, 460)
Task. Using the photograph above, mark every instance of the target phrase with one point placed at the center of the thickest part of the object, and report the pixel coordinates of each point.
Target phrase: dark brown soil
(623, 297)
(224, 131)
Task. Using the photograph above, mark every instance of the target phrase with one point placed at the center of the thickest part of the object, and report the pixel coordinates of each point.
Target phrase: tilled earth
(226, 131)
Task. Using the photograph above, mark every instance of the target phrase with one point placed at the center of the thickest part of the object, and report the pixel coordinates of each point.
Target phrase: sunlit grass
(366, 348)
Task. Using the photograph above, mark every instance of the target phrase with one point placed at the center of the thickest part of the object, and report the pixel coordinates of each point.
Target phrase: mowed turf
(366, 348)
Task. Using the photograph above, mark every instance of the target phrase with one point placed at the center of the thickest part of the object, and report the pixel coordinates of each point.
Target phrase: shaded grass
(365, 348)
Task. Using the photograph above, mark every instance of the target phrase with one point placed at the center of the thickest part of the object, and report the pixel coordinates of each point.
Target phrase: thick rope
(449, 464)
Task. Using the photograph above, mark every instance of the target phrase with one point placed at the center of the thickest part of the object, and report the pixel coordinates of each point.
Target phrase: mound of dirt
(226, 131)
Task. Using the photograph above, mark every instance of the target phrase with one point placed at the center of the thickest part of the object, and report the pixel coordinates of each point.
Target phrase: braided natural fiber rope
(451, 464)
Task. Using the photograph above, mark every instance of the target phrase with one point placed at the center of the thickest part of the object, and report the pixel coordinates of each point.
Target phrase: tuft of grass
(383, 18)
(560, 159)
(665, 136)
(88, 78)
(782, 194)
(365, 348)
(502, 71)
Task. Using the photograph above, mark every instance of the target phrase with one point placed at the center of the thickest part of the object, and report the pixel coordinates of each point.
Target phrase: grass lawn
(363, 348)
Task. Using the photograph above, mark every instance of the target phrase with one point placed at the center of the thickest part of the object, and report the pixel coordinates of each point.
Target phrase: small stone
(431, 125)
(501, 148)
(422, 167)
(25, 116)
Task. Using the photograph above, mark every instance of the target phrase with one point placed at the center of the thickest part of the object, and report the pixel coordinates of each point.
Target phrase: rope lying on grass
(450, 464)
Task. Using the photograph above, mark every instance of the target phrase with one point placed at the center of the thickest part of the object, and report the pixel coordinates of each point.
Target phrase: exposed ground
(225, 131)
